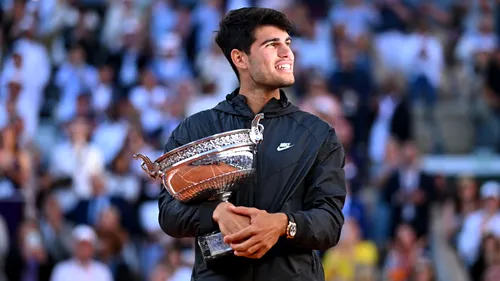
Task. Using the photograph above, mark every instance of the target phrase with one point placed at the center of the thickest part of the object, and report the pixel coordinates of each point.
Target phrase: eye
(273, 44)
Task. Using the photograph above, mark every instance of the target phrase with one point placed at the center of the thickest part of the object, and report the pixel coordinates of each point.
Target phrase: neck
(258, 97)
(83, 262)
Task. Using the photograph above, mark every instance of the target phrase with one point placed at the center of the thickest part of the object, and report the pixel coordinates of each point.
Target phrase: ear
(239, 58)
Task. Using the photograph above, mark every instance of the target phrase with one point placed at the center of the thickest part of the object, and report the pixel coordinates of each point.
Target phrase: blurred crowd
(85, 84)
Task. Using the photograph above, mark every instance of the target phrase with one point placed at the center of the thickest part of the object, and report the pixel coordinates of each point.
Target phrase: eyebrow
(275, 40)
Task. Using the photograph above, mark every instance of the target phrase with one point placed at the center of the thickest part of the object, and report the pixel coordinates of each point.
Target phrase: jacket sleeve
(178, 219)
(319, 225)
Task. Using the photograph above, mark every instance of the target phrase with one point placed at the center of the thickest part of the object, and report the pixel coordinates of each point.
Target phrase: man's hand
(228, 221)
(265, 229)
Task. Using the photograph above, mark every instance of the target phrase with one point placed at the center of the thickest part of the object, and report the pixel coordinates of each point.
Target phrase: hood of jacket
(236, 104)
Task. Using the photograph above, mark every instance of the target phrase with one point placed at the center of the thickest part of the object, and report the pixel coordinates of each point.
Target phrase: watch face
(293, 230)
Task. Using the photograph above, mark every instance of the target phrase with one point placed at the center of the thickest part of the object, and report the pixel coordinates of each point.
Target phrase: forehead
(266, 32)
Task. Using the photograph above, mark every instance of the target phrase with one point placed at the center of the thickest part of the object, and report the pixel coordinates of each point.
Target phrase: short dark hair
(237, 29)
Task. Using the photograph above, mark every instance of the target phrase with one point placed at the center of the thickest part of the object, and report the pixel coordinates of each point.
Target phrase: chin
(283, 82)
(286, 83)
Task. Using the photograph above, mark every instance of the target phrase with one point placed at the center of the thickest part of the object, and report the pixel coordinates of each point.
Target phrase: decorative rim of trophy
(218, 147)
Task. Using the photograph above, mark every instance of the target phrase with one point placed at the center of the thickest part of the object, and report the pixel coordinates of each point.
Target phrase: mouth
(286, 67)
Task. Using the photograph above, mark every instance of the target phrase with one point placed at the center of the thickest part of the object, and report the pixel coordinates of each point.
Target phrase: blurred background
(412, 88)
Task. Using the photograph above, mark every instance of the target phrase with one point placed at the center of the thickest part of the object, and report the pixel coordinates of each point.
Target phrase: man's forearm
(319, 228)
(181, 220)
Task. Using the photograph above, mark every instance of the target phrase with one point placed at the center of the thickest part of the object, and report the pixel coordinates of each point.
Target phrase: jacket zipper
(313, 256)
(254, 186)
(255, 164)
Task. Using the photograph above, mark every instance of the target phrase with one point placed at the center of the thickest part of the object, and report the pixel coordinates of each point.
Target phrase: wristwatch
(291, 229)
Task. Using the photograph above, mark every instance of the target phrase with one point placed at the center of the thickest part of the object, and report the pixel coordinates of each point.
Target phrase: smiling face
(270, 62)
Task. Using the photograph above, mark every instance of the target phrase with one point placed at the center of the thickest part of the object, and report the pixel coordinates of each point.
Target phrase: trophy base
(212, 246)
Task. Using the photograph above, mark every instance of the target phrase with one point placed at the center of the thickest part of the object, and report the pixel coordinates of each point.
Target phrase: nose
(285, 51)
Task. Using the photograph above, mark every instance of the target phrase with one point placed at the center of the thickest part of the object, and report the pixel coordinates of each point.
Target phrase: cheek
(265, 63)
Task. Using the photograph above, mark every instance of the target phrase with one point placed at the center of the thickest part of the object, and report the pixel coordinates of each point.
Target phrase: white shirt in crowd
(74, 271)
(78, 162)
(151, 105)
(469, 239)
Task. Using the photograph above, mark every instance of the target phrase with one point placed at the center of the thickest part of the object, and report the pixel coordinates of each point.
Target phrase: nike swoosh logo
(281, 148)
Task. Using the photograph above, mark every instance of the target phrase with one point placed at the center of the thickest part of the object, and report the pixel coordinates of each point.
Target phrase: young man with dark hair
(294, 206)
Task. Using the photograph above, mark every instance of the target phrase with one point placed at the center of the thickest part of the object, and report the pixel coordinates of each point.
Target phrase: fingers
(246, 245)
(244, 211)
(255, 252)
(241, 235)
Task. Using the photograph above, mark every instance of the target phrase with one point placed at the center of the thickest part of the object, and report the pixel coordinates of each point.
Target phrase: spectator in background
(82, 266)
(479, 223)
(464, 203)
(150, 100)
(15, 167)
(487, 259)
(356, 17)
(28, 258)
(423, 271)
(161, 272)
(55, 230)
(403, 254)
(110, 134)
(393, 118)
(473, 43)
(488, 134)
(352, 84)
(73, 164)
(18, 88)
(178, 261)
(224, 80)
(206, 99)
(74, 78)
(119, 181)
(425, 61)
(170, 63)
(89, 210)
(105, 93)
(119, 15)
(351, 254)
(409, 190)
(115, 246)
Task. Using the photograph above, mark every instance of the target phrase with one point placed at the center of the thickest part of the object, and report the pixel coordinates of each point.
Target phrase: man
(82, 266)
(477, 225)
(300, 181)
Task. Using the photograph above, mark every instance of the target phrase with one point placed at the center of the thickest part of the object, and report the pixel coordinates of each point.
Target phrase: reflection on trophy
(208, 169)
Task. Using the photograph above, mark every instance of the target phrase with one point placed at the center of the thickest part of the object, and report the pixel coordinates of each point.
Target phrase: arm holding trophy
(198, 178)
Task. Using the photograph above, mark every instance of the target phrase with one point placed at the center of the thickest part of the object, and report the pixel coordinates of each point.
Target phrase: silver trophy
(208, 169)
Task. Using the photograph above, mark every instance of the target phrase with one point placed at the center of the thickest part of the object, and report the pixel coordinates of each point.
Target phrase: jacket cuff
(206, 211)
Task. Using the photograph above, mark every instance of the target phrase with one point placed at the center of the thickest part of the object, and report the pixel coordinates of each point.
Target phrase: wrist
(222, 206)
(282, 220)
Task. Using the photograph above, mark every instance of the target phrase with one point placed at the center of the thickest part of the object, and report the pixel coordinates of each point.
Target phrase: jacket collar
(236, 104)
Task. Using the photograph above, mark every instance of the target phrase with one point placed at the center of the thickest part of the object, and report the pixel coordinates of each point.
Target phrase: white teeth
(284, 66)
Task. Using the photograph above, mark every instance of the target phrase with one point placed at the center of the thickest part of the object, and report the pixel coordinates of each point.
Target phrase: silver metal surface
(209, 168)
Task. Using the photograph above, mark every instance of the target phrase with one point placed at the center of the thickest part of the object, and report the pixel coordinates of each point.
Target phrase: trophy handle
(150, 167)
(257, 130)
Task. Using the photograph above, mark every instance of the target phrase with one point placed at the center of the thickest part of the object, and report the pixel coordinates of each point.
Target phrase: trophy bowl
(209, 168)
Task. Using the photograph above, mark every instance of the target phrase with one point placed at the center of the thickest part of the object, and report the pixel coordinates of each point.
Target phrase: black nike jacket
(305, 180)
